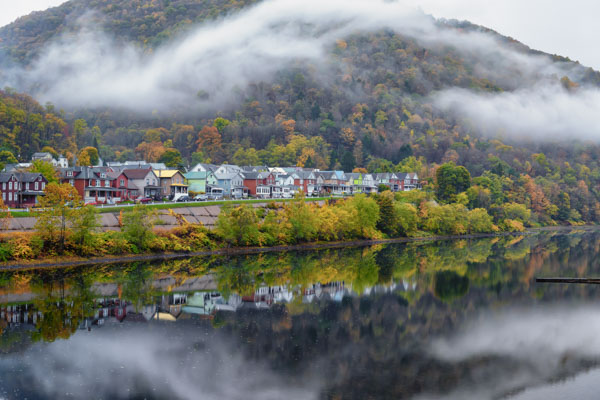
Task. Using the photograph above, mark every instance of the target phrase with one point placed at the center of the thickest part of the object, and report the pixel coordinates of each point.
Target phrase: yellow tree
(58, 210)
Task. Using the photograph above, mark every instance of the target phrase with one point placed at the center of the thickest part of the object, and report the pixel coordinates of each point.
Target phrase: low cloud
(91, 69)
(544, 111)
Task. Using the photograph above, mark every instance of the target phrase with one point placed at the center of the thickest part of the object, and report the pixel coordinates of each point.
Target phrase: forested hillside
(373, 107)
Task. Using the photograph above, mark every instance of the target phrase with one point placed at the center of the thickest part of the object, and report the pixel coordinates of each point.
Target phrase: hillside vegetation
(374, 111)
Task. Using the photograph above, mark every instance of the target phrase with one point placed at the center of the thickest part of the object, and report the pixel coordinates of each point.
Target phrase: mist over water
(380, 322)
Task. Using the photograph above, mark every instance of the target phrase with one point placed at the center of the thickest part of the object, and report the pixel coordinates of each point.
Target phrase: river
(447, 319)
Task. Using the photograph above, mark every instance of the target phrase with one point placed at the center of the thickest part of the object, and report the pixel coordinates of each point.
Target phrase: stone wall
(206, 215)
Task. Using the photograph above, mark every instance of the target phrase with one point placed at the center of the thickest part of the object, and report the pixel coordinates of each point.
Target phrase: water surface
(460, 319)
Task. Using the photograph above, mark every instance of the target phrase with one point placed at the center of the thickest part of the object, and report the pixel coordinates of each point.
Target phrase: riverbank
(71, 261)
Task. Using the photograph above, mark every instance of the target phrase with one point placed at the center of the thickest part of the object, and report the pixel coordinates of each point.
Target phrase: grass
(166, 206)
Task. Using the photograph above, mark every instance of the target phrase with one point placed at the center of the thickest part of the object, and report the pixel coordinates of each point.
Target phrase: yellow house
(172, 182)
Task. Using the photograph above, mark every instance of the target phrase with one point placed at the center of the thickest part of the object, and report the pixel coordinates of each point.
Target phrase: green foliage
(84, 225)
(45, 168)
(171, 158)
(59, 211)
(451, 180)
(406, 218)
(238, 226)
(138, 227)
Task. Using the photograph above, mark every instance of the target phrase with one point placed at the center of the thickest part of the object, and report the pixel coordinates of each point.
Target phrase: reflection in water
(447, 319)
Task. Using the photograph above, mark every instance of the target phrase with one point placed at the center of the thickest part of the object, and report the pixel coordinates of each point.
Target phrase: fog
(92, 69)
(144, 361)
(525, 347)
(544, 111)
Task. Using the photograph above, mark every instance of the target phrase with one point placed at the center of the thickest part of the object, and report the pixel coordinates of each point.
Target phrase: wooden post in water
(586, 281)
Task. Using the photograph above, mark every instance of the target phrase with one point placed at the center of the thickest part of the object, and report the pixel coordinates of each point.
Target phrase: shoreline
(232, 251)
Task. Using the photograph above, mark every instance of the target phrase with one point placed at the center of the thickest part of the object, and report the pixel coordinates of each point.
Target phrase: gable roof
(167, 173)
(137, 173)
(28, 176)
(197, 175)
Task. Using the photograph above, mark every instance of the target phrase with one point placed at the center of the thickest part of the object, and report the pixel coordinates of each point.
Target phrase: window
(10, 185)
(43, 185)
(69, 173)
(122, 182)
(9, 196)
(72, 182)
(107, 183)
(36, 186)
(147, 181)
(4, 196)
(27, 186)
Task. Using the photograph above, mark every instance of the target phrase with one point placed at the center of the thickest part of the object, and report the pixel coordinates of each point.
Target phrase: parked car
(215, 196)
(183, 199)
(201, 197)
(143, 200)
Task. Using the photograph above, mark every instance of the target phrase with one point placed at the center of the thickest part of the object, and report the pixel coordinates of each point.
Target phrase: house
(145, 182)
(334, 182)
(228, 169)
(22, 189)
(94, 184)
(232, 184)
(199, 181)
(355, 182)
(62, 161)
(202, 167)
(388, 179)
(369, 184)
(259, 184)
(305, 180)
(254, 168)
(125, 189)
(172, 182)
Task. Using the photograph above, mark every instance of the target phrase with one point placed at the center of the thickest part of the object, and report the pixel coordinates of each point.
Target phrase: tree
(88, 156)
(138, 225)
(171, 158)
(209, 140)
(84, 225)
(451, 180)
(6, 157)
(45, 168)
(387, 218)
(221, 124)
(57, 213)
(150, 151)
(564, 206)
(239, 226)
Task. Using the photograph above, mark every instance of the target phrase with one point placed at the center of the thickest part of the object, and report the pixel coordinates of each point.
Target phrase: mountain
(379, 96)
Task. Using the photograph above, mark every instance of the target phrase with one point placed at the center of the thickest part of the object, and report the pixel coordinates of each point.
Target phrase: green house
(198, 181)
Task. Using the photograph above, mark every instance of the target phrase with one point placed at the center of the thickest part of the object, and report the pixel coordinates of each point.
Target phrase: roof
(227, 176)
(5, 176)
(196, 175)
(28, 176)
(136, 173)
(167, 173)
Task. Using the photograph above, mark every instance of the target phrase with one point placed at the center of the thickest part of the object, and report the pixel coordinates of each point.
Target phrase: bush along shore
(65, 228)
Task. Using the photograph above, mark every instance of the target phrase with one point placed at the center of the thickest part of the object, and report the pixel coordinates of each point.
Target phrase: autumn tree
(58, 212)
(45, 168)
(209, 141)
(88, 156)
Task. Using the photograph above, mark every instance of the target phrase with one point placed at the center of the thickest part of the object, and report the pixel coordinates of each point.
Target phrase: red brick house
(22, 189)
(94, 184)
(259, 184)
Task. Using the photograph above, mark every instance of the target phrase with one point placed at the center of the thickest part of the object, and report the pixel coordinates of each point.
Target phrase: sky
(559, 27)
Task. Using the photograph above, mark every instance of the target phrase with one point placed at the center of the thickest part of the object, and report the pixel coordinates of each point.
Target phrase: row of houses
(264, 182)
(117, 182)
(113, 184)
